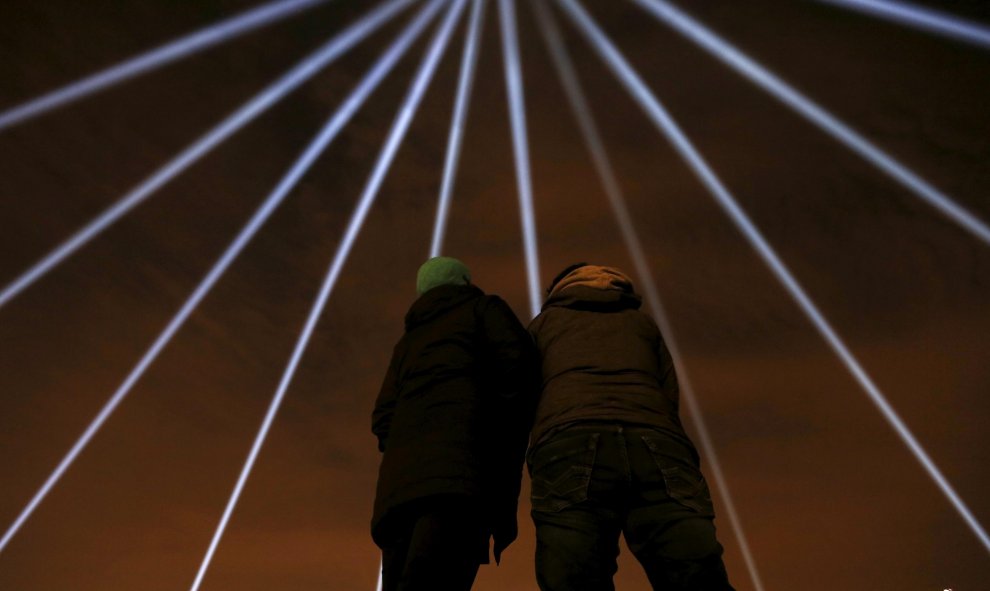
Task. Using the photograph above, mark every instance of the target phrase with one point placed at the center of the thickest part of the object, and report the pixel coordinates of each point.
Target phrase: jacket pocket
(560, 470)
(682, 479)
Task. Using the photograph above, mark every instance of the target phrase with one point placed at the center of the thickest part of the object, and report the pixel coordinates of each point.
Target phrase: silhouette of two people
(591, 385)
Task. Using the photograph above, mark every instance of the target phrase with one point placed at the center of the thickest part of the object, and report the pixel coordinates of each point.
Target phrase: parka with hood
(603, 359)
(455, 409)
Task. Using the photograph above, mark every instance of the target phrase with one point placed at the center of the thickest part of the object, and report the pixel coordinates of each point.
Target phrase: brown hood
(596, 277)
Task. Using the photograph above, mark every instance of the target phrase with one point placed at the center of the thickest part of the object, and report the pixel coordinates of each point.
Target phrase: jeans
(592, 481)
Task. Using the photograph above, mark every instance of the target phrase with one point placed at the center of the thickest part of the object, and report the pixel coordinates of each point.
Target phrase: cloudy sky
(829, 497)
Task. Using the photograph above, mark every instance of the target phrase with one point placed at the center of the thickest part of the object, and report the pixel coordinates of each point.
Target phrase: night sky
(829, 496)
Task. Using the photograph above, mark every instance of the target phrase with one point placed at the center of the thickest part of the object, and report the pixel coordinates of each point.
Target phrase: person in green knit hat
(452, 419)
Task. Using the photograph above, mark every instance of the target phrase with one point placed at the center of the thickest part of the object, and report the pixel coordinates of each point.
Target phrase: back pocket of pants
(560, 470)
(683, 481)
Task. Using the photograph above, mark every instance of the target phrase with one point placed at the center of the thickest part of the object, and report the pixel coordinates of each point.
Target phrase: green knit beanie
(441, 271)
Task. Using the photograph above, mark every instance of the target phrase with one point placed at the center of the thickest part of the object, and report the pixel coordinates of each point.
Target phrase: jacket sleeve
(668, 373)
(388, 396)
(514, 371)
(512, 357)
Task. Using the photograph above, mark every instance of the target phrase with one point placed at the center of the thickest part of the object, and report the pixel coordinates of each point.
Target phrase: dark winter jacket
(455, 409)
(603, 359)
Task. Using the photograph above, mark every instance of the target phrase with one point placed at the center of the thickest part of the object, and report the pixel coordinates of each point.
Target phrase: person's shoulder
(494, 309)
(547, 314)
(647, 323)
(490, 301)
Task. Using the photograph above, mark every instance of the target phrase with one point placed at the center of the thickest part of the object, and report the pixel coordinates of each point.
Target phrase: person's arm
(668, 373)
(515, 372)
(381, 417)
(514, 362)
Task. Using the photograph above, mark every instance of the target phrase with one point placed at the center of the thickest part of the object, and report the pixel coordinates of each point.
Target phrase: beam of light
(603, 165)
(261, 16)
(299, 74)
(662, 119)
(396, 135)
(921, 17)
(825, 121)
(333, 126)
(517, 114)
(468, 66)
(378, 587)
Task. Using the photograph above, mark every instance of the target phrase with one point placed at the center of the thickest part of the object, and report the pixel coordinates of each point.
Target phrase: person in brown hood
(452, 420)
(608, 453)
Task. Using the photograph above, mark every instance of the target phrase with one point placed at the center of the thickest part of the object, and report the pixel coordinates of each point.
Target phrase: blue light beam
(922, 18)
(333, 126)
(387, 155)
(261, 16)
(603, 165)
(299, 74)
(665, 123)
(468, 66)
(517, 114)
(811, 111)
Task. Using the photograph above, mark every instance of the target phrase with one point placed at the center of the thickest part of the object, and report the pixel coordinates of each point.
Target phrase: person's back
(432, 429)
(602, 358)
(609, 454)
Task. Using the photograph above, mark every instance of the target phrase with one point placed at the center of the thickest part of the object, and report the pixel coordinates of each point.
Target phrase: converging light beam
(468, 66)
(333, 126)
(825, 121)
(264, 15)
(603, 165)
(299, 74)
(662, 119)
(520, 141)
(921, 17)
(387, 155)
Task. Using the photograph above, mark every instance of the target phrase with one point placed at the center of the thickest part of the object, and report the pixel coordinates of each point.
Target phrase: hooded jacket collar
(592, 287)
(438, 300)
